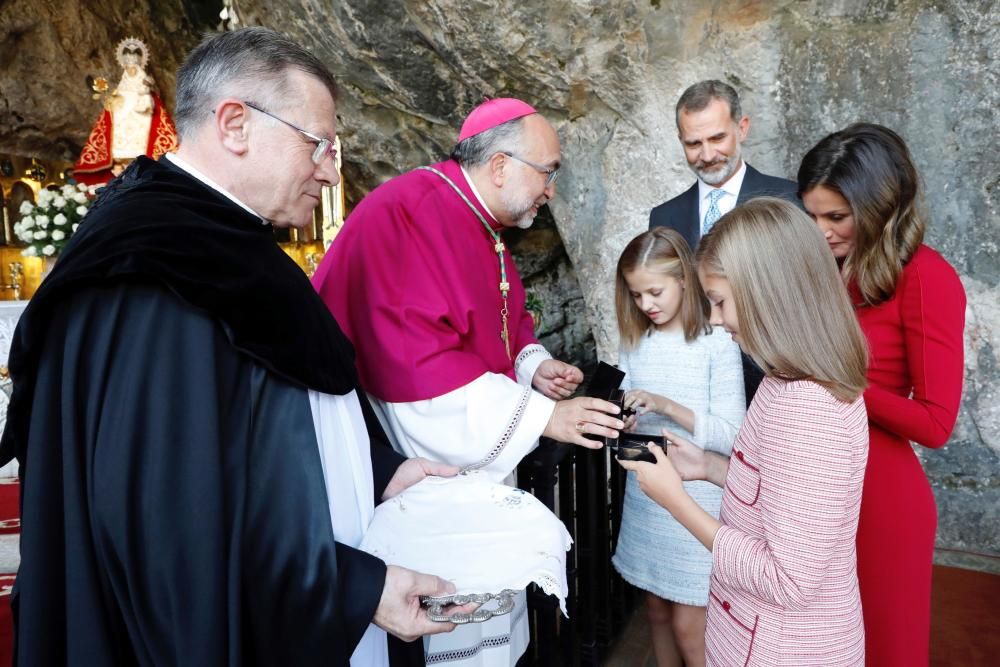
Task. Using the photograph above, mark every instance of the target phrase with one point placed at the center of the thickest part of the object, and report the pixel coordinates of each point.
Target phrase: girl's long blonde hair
(870, 166)
(660, 250)
(795, 317)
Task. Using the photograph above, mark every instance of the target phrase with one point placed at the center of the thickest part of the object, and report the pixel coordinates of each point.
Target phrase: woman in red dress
(861, 188)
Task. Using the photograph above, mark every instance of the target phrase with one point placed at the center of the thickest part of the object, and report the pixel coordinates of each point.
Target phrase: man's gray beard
(722, 175)
(523, 218)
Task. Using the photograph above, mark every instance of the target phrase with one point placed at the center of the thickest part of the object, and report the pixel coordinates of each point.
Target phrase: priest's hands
(399, 610)
(412, 471)
(573, 419)
(556, 379)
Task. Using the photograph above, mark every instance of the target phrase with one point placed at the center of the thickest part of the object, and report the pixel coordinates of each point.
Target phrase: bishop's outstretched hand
(582, 416)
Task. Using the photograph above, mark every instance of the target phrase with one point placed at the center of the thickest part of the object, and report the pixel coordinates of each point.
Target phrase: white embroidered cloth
(480, 535)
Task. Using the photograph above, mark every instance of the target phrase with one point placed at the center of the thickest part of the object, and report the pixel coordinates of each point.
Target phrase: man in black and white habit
(197, 462)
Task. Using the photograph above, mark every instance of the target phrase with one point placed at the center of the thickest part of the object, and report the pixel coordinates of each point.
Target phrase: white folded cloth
(482, 536)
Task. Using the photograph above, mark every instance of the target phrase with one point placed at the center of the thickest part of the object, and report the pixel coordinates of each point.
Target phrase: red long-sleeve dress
(915, 372)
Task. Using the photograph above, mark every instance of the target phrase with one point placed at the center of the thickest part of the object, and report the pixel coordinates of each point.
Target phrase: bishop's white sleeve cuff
(527, 362)
(488, 425)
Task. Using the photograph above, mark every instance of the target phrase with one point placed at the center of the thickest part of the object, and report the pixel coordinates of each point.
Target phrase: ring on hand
(580, 425)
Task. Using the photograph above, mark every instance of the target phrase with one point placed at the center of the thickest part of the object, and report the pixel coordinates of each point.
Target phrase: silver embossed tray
(436, 605)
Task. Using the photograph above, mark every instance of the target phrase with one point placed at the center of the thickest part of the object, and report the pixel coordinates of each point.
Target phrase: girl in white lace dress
(683, 376)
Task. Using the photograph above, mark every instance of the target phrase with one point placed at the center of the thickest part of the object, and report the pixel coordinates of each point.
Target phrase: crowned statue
(133, 122)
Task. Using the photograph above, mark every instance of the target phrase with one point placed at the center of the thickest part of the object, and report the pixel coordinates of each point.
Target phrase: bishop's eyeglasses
(551, 173)
(324, 147)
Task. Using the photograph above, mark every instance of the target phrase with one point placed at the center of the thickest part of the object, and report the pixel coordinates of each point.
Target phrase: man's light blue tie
(713, 213)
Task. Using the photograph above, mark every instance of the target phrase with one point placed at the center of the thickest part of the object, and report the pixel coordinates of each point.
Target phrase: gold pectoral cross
(505, 332)
(506, 337)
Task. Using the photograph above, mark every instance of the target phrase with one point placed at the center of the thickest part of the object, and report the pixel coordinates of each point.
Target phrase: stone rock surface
(548, 275)
(607, 74)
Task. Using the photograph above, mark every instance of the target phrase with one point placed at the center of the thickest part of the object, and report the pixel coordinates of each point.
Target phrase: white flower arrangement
(47, 225)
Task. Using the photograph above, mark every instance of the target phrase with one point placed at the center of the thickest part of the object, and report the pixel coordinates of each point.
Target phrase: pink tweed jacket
(784, 587)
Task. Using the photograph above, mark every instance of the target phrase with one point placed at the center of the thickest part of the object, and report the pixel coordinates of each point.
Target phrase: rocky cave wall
(607, 73)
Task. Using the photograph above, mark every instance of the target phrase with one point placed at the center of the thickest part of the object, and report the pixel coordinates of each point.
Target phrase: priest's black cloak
(173, 503)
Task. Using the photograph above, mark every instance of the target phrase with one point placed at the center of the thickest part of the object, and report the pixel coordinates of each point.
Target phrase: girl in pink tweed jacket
(784, 588)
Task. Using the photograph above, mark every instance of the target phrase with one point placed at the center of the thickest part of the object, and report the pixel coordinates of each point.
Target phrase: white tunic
(495, 420)
(345, 454)
(492, 417)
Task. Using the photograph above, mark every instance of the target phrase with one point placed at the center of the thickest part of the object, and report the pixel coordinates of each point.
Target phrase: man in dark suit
(712, 128)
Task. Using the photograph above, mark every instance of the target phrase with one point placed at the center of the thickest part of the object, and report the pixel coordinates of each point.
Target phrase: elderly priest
(198, 465)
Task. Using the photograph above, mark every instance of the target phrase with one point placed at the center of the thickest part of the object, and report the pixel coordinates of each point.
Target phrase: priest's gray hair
(250, 64)
(701, 94)
(479, 148)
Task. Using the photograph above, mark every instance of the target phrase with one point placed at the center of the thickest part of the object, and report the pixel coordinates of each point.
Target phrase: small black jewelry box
(627, 446)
